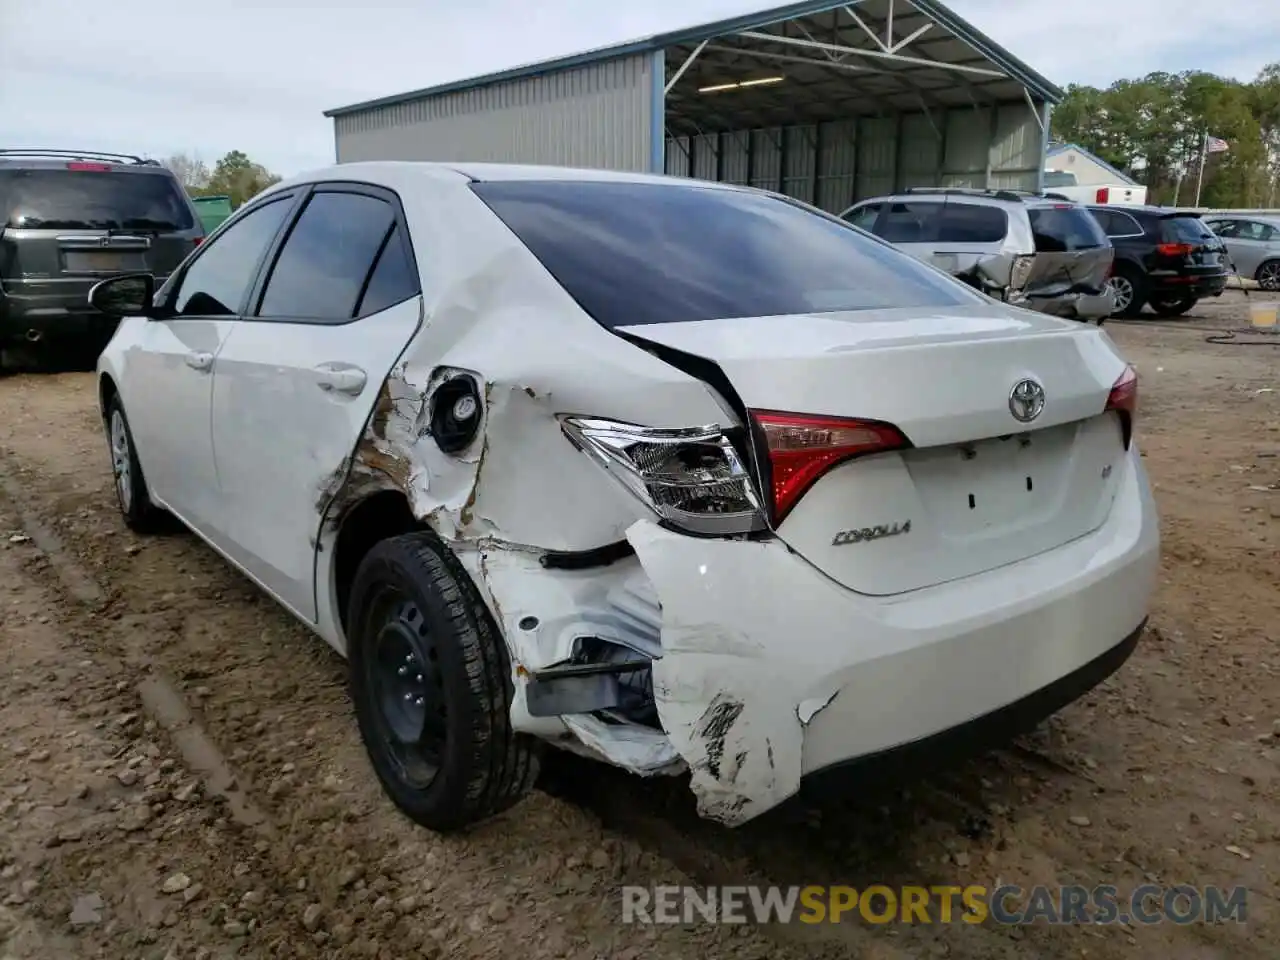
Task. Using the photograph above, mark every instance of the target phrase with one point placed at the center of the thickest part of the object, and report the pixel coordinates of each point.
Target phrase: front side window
(865, 216)
(637, 253)
(326, 259)
(218, 280)
(910, 222)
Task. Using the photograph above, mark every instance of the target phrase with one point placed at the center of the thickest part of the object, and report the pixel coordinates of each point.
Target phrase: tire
(140, 514)
(1173, 308)
(1130, 288)
(1268, 275)
(440, 741)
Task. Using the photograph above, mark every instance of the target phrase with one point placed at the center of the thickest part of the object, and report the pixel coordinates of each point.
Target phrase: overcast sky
(168, 76)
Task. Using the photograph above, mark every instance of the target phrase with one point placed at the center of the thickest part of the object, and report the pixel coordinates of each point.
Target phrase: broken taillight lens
(690, 477)
(803, 447)
(1123, 399)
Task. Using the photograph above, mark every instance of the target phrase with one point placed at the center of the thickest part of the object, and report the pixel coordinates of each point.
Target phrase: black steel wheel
(431, 684)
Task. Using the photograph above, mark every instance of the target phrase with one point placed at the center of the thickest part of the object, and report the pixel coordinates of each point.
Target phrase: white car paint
(772, 658)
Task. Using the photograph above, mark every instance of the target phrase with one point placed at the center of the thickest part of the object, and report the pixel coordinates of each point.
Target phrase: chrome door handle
(340, 378)
(198, 360)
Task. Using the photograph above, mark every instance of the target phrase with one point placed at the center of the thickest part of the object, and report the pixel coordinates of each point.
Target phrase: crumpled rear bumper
(770, 671)
(1075, 306)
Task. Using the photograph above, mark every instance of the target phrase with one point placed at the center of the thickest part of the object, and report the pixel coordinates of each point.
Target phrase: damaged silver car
(680, 476)
(1038, 251)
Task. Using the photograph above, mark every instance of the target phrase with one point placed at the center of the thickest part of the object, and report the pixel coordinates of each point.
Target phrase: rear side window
(1059, 178)
(1187, 229)
(915, 222)
(92, 200)
(1065, 229)
(972, 223)
(323, 266)
(394, 278)
(638, 253)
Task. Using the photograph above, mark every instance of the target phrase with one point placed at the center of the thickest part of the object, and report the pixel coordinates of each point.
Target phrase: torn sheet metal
(728, 701)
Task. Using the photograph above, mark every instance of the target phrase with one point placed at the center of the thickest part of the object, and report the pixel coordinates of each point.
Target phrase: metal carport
(827, 102)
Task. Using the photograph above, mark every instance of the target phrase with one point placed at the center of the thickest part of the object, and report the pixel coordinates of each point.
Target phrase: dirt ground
(180, 775)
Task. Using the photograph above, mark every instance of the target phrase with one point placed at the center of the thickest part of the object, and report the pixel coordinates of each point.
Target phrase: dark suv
(67, 220)
(1166, 258)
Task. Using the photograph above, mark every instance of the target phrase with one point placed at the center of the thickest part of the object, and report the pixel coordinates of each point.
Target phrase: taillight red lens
(98, 167)
(1124, 400)
(1174, 249)
(803, 447)
(200, 240)
(1103, 195)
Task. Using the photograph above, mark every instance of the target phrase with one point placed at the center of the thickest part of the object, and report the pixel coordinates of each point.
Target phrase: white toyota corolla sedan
(677, 475)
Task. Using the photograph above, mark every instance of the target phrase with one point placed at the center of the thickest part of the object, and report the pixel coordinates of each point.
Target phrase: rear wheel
(139, 513)
(1173, 308)
(1129, 287)
(1268, 275)
(431, 683)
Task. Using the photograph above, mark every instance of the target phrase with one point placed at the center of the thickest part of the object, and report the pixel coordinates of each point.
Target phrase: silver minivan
(1031, 250)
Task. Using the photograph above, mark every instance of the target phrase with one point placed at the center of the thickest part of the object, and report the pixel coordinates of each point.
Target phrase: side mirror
(123, 296)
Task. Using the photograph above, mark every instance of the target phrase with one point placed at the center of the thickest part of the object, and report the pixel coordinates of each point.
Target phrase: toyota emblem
(1026, 400)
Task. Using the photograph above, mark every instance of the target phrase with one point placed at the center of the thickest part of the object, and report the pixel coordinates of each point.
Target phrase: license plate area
(102, 261)
(991, 486)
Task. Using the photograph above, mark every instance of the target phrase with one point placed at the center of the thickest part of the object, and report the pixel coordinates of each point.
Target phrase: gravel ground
(180, 775)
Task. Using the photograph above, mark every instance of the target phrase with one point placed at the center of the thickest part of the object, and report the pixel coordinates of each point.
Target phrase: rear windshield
(1059, 178)
(1189, 229)
(92, 200)
(1064, 229)
(636, 253)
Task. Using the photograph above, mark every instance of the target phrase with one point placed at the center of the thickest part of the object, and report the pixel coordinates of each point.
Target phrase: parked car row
(1084, 261)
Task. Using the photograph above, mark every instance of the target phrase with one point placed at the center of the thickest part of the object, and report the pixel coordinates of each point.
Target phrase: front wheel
(139, 513)
(431, 684)
(1173, 308)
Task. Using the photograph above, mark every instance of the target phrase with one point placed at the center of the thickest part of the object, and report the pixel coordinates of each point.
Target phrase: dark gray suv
(67, 220)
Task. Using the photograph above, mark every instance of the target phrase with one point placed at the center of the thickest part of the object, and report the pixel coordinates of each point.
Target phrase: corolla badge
(866, 534)
(1026, 400)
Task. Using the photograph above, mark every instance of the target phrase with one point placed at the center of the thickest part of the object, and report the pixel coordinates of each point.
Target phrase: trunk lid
(1188, 247)
(978, 489)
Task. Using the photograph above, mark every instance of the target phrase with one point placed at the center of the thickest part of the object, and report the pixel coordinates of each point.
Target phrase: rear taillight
(1175, 249)
(95, 167)
(692, 478)
(198, 241)
(802, 448)
(1103, 195)
(1123, 399)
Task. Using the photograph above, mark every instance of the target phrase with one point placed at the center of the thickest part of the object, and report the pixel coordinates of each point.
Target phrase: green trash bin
(212, 211)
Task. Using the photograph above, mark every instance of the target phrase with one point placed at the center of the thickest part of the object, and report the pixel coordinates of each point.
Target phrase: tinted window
(1063, 229)
(394, 277)
(323, 265)
(1116, 224)
(972, 223)
(1188, 229)
(864, 217)
(909, 222)
(1223, 228)
(633, 253)
(92, 200)
(217, 281)
(1253, 230)
(1059, 178)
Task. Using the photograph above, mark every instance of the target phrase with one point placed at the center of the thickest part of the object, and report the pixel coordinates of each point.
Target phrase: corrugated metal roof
(961, 28)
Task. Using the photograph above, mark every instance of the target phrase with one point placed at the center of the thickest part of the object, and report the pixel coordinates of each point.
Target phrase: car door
(1228, 231)
(296, 381)
(1252, 245)
(168, 389)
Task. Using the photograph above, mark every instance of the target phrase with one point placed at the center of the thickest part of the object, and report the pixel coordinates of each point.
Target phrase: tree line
(1153, 129)
(234, 176)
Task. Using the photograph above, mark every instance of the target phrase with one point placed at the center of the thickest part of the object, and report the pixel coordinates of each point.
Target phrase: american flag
(1214, 145)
